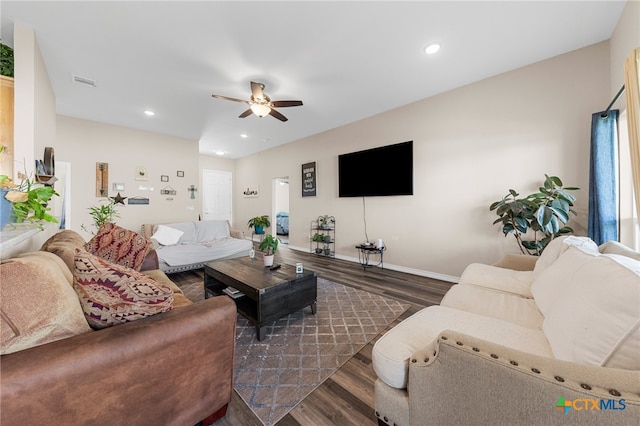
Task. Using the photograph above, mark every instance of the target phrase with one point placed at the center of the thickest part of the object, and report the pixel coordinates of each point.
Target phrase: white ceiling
(345, 60)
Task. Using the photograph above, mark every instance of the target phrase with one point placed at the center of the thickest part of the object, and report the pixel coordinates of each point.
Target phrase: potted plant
(102, 213)
(268, 246)
(318, 238)
(258, 223)
(544, 213)
(6, 60)
(27, 201)
(327, 250)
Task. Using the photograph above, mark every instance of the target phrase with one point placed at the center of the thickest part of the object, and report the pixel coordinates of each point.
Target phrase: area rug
(302, 350)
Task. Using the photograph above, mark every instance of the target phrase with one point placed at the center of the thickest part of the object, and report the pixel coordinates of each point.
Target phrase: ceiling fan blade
(277, 115)
(256, 90)
(246, 113)
(281, 104)
(226, 98)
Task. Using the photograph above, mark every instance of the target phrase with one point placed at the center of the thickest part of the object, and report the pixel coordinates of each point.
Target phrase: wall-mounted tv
(382, 171)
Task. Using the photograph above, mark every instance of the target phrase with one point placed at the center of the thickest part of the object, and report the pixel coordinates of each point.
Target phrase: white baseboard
(399, 268)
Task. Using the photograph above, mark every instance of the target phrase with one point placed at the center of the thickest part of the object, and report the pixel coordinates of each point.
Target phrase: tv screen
(383, 171)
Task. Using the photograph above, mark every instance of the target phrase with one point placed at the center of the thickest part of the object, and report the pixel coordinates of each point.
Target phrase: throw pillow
(118, 245)
(112, 294)
(166, 235)
(38, 305)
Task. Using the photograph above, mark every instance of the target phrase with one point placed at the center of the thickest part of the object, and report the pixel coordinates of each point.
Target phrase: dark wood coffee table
(268, 295)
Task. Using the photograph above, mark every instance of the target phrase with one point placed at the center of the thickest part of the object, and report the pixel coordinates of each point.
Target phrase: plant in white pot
(268, 246)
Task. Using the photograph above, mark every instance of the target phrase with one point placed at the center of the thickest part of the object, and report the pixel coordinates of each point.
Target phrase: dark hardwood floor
(346, 398)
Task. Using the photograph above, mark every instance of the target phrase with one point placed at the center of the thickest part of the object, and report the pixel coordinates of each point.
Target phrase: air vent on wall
(83, 80)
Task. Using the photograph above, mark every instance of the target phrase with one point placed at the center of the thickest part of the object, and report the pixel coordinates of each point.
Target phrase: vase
(5, 209)
(259, 230)
(268, 260)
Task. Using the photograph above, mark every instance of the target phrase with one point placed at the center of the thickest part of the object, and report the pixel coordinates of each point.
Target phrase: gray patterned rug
(302, 350)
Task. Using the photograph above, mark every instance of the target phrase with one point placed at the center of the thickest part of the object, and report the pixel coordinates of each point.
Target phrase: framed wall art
(309, 179)
(164, 178)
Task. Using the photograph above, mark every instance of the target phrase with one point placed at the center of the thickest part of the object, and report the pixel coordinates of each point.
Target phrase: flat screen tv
(383, 171)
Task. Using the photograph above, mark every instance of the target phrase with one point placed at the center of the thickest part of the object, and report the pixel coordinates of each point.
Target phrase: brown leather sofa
(172, 368)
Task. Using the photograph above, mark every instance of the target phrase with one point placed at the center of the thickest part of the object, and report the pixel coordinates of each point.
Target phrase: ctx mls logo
(588, 404)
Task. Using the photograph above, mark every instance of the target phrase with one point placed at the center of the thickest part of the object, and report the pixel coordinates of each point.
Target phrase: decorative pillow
(112, 294)
(118, 245)
(166, 235)
(38, 304)
(592, 314)
(560, 245)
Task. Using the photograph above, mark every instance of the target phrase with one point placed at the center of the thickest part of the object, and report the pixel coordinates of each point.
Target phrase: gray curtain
(603, 178)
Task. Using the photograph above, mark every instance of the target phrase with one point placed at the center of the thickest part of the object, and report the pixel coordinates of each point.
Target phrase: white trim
(391, 266)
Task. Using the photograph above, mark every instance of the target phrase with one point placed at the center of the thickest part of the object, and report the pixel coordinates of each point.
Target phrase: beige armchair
(466, 362)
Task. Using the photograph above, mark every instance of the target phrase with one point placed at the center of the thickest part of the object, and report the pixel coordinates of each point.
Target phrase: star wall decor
(119, 199)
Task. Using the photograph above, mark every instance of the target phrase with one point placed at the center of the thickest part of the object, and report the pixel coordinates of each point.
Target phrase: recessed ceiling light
(244, 136)
(219, 152)
(149, 113)
(431, 49)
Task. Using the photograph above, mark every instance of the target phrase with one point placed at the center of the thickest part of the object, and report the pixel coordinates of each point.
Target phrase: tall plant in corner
(543, 214)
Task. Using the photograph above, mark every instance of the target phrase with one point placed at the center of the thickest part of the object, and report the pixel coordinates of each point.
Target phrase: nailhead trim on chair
(514, 363)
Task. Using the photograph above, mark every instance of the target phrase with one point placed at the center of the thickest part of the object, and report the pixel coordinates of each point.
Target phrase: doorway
(216, 198)
(281, 208)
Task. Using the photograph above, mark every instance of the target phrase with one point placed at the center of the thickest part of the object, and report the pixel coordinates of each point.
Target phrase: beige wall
(34, 122)
(83, 143)
(470, 146)
(624, 39)
(34, 101)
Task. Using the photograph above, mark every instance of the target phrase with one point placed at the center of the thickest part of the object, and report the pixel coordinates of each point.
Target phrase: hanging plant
(6, 60)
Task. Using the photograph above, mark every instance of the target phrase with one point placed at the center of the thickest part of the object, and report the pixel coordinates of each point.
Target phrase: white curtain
(632, 83)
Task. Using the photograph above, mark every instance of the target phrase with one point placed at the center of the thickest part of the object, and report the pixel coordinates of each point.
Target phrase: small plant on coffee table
(268, 246)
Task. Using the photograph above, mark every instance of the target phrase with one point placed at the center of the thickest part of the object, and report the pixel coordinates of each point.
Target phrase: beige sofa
(171, 368)
(556, 344)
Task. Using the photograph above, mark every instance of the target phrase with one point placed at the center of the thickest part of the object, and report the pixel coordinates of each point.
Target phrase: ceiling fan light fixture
(431, 49)
(260, 109)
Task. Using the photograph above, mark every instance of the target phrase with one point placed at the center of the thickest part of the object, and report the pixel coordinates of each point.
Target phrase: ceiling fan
(260, 104)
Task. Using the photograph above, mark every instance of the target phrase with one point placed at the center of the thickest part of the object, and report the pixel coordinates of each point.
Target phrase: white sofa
(557, 344)
(189, 245)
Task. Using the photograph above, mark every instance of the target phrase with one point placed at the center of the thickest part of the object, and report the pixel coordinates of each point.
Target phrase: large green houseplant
(542, 215)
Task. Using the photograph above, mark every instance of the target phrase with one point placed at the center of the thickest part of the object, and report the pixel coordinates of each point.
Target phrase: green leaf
(561, 205)
(521, 224)
(544, 215)
(560, 214)
(513, 193)
(556, 180)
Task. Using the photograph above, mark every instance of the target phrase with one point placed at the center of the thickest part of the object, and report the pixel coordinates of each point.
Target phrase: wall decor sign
(102, 179)
(309, 179)
(141, 173)
(180, 173)
(250, 192)
(164, 178)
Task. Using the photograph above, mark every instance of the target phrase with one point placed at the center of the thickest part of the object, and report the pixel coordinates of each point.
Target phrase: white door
(216, 200)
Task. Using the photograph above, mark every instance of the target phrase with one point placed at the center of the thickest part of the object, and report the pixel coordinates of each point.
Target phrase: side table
(364, 254)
